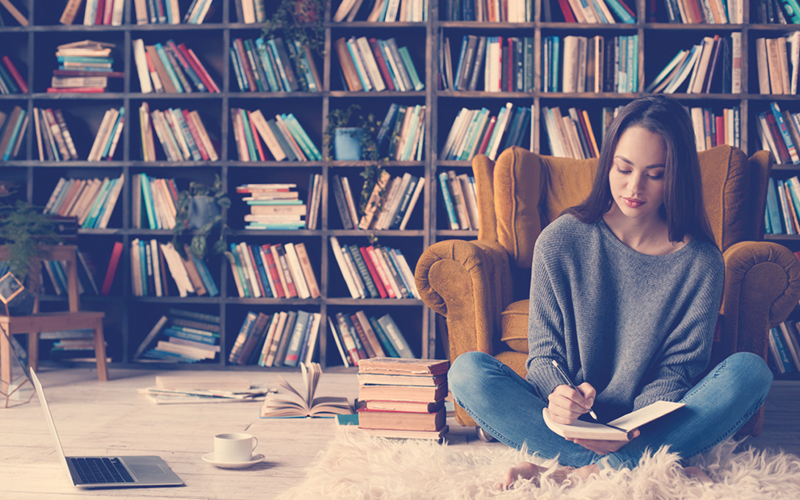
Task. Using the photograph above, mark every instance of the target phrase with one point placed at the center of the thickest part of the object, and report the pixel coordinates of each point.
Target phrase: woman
(625, 294)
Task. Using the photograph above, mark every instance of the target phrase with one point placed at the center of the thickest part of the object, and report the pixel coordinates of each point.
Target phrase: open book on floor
(293, 403)
(589, 430)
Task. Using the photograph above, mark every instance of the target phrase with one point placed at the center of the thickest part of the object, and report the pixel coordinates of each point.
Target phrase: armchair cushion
(514, 326)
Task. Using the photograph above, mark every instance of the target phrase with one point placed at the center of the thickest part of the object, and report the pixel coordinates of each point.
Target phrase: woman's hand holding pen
(567, 404)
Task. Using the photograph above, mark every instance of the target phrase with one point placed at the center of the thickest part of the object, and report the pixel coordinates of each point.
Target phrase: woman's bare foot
(697, 473)
(527, 470)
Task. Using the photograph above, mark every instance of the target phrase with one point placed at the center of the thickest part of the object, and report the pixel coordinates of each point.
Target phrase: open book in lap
(589, 430)
(294, 404)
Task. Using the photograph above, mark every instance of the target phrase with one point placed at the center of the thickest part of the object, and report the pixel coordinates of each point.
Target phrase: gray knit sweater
(637, 327)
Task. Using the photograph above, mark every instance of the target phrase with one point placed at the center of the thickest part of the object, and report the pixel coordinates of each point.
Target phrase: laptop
(108, 472)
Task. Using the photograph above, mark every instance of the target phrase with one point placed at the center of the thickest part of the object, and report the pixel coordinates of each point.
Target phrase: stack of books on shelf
(284, 136)
(96, 13)
(489, 63)
(591, 64)
(11, 81)
(713, 129)
(274, 206)
(571, 135)
(71, 345)
(277, 270)
(403, 398)
(713, 56)
(153, 202)
(375, 271)
(493, 11)
(359, 337)
(56, 271)
(170, 68)
(705, 11)
(21, 18)
(159, 270)
(180, 132)
(168, 11)
(181, 336)
(597, 12)
(777, 61)
(784, 348)
(272, 65)
(91, 59)
(376, 65)
(382, 11)
(476, 131)
(779, 131)
(92, 201)
(392, 201)
(285, 338)
(460, 200)
(12, 130)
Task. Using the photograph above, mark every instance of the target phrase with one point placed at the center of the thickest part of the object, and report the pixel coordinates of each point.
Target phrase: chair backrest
(63, 253)
(523, 192)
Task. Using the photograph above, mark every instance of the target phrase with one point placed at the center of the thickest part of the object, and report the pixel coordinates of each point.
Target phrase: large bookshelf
(129, 318)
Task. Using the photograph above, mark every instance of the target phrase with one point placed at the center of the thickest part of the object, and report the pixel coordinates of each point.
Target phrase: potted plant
(24, 229)
(300, 20)
(199, 210)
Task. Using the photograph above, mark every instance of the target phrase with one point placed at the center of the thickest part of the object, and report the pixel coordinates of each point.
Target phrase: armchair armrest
(762, 286)
(468, 282)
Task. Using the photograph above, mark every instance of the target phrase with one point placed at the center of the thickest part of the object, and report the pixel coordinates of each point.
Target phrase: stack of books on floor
(779, 131)
(270, 65)
(376, 65)
(570, 135)
(273, 206)
(11, 80)
(285, 338)
(88, 56)
(403, 398)
(159, 270)
(154, 202)
(784, 348)
(96, 13)
(383, 11)
(460, 200)
(170, 67)
(180, 132)
(12, 130)
(277, 270)
(181, 336)
(475, 131)
(284, 136)
(92, 201)
(71, 345)
(375, 271)
(360, 337)
(168, 11)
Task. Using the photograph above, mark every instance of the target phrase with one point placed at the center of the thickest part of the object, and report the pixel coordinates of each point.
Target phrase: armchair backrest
(523, 192)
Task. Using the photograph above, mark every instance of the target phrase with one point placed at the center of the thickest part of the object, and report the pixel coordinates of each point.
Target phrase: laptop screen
(49, 418)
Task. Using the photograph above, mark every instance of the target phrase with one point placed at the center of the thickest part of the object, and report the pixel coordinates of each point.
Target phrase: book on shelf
(90, 200)
(628, 423)
(304, 402)
(274, 65)
(176, 65)
(275, 206)
(159, 270)
(92, 57)
(180, 133)
(168, 341)
(12, 131)
(21, 18)
(11, 80)
(372, 64)
(478, 132)
(374, 271)
(111, 269)
(284, 137)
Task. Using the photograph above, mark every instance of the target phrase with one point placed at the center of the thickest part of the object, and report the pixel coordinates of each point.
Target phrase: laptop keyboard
(101, 470)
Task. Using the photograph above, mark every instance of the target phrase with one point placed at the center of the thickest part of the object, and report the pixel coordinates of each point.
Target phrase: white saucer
(209, 457)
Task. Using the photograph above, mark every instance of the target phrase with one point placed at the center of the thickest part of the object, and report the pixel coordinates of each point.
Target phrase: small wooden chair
(38, 322)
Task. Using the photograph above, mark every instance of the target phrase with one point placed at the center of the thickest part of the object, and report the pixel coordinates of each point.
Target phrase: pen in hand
(569, 382)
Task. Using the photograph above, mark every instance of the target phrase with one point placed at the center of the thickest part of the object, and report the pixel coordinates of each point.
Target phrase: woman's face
(637, 173)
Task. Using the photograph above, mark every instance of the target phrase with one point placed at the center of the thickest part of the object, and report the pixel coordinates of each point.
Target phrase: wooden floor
(111, 418)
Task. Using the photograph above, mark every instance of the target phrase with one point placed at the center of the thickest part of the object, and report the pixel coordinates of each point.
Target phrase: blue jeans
(505, 406)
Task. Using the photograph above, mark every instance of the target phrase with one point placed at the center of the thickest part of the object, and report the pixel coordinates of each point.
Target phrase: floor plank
(111, 418)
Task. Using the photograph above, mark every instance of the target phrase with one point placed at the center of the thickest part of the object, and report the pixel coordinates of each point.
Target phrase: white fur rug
(357, 466)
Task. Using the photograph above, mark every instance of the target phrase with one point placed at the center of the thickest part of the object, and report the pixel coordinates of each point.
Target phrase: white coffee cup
(235, 447)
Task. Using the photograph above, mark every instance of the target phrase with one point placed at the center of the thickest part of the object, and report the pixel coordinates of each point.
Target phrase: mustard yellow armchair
(482, 286)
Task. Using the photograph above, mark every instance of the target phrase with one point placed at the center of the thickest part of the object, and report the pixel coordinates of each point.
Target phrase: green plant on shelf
(300, 20)
(199, 210)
